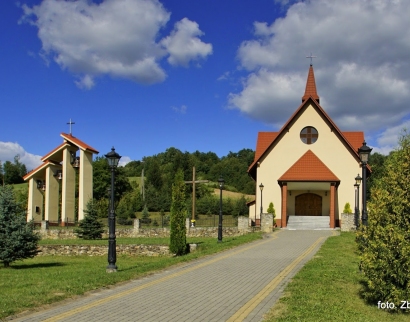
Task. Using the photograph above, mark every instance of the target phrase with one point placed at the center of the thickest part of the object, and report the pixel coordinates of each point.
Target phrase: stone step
(308, 222)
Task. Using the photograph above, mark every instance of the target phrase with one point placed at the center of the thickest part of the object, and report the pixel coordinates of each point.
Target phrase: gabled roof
(77, 142)
(309, 168)
(56, 154)
(311, 101)
(310, 90)
(38, 171)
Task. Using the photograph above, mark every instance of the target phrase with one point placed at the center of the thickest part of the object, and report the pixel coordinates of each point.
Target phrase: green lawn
(328, 289)
(46, 279)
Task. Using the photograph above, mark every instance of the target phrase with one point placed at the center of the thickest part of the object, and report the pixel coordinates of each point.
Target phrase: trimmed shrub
(385, 243)
(347, 209)
(178, 244)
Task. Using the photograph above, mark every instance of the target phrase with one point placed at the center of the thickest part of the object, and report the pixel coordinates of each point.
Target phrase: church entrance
(308, 204)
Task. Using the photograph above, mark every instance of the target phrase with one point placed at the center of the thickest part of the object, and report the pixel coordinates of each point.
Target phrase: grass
(46, 279)
(328, 288)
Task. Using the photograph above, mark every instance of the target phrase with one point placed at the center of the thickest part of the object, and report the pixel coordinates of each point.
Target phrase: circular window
(309, 135)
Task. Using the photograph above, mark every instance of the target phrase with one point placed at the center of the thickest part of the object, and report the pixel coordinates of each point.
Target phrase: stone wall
(92, 250)
(136, 231)
(348, 222)
(267, 223)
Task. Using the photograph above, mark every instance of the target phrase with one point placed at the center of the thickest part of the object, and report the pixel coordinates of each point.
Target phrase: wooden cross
(193, 190)
(309, 135)
(311, 57)
(71, 123)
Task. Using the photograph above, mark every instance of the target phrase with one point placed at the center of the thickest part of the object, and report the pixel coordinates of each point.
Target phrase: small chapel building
(308, 168)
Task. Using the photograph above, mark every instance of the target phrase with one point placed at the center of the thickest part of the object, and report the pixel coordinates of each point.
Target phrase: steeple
(310, 86)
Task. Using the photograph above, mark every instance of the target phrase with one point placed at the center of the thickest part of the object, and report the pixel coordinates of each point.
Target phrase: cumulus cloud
(8, 150)
(362, 68)
(184, 45)
(114, 37)
(124, 160)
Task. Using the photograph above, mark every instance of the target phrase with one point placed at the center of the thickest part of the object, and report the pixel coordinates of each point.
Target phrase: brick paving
(241, 284)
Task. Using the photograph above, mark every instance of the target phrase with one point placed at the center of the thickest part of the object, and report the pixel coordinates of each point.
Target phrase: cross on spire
(71, 123)
(311, 58)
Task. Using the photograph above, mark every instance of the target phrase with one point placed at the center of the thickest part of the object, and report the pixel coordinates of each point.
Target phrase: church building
(308, 168)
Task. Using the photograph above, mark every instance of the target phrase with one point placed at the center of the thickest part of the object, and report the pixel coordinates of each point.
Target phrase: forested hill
(160, 169)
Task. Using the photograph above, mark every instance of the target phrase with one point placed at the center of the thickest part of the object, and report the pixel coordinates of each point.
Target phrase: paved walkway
(241, 284)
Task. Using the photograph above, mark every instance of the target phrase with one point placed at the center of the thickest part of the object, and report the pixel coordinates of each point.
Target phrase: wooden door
(308, 204)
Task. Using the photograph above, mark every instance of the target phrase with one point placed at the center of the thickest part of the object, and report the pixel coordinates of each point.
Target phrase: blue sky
(207, 75)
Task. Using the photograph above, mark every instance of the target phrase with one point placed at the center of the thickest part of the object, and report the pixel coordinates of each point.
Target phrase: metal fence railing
(213, 221)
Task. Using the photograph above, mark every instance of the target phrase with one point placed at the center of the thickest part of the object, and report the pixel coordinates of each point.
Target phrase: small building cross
(71, 123)
(311, 58)
(193, 182)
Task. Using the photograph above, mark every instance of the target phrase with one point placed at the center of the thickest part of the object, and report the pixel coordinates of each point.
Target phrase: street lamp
(261, 186)
(221, 182)
(364, 153)
(113, 158)
(358, 179)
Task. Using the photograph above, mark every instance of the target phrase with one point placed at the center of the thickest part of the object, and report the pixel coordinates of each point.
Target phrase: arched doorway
(308, 204)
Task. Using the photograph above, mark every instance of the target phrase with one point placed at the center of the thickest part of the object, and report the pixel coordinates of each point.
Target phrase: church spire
(310, 86)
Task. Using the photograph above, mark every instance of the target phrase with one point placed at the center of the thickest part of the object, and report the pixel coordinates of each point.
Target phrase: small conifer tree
(90, 227)
(178, 214)
(271, 210)
(18, 240)
(347, 209)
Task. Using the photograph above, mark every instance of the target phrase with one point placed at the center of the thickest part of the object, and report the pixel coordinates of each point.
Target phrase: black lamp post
(358, 179)
(364, 153)
(113, 158)
(261, 186)
(221, 182)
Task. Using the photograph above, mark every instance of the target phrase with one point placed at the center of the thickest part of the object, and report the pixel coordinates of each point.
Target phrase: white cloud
(124, 160)
(184, 45)
(8, 150)
(362, 70)
(118, 38)
(180, 110)
(388, 139)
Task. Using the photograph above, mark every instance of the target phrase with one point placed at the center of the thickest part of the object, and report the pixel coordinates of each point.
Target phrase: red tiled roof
(78, 142)
(310, 90)
(263, 142)
(308, 168)
(355, 139)
(37, 170)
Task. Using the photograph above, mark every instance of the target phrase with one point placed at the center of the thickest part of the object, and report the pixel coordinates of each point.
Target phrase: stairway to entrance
(308, 223)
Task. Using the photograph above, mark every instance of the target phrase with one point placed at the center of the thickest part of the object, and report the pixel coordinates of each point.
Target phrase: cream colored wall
(252, 212)
(328, 148)
(35, 199)
(68, 188)
(85, 182)
(51, 195)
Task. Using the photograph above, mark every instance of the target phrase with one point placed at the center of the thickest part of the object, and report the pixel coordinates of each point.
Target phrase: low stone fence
(348, 222)
(92, 250)
(136, 231)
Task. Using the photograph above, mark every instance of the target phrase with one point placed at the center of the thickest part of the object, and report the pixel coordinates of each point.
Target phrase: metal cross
(311, 57)
(71, 123)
